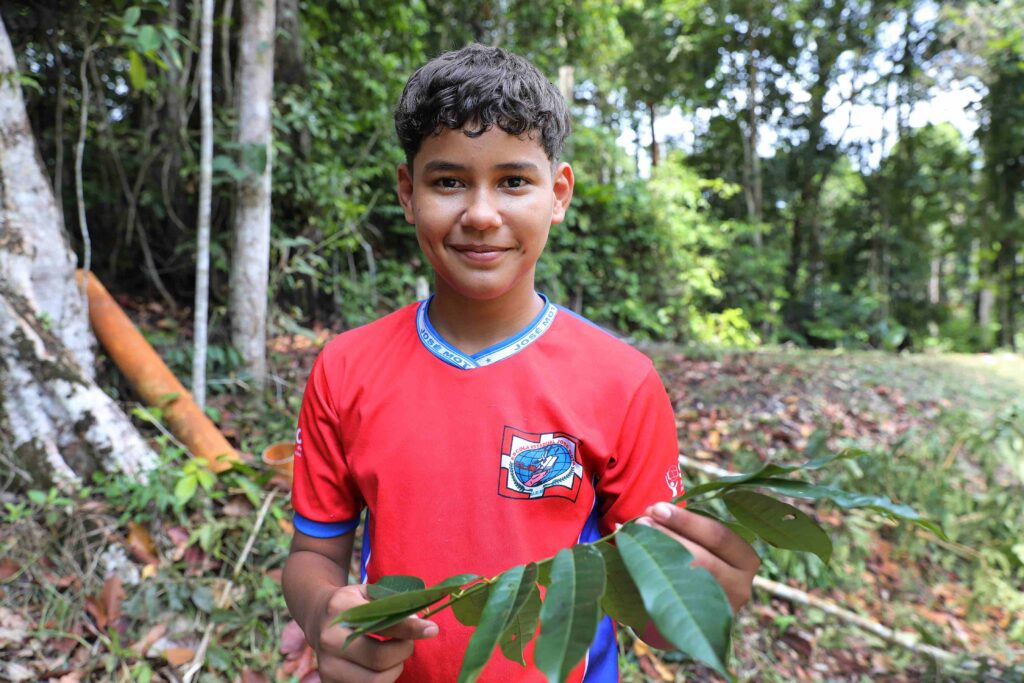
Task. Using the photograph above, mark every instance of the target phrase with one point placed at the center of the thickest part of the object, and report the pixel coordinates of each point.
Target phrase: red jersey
(474, 464)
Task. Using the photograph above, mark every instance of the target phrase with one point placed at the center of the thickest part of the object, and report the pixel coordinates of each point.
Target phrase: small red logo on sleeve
(674, 480)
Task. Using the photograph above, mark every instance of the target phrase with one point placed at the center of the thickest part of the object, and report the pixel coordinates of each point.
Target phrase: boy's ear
(405, 192)
(564, 183)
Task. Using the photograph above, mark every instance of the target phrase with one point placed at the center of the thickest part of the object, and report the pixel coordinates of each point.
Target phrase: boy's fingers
(735, 581)
(335, 670)
(702, 557)
(375, 655)
(707, 533)
(411, 629)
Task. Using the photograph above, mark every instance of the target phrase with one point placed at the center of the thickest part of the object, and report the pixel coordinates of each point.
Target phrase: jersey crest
(539, 465)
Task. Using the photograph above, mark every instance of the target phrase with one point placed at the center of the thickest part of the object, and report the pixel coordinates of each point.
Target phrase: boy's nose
(482, 212)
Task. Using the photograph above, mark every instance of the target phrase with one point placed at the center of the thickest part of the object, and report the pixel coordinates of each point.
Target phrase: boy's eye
(516, 182)
(448, 183)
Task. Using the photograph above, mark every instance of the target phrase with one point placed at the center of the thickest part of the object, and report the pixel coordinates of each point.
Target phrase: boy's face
(482, 208)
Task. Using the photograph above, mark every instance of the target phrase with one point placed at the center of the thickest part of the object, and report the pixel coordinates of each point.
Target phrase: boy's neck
(471, 325)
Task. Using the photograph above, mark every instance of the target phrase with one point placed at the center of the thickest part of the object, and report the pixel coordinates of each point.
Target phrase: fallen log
(152, 380)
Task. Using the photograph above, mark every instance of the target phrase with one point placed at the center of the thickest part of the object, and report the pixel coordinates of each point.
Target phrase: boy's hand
(715, 547)
(366, 658)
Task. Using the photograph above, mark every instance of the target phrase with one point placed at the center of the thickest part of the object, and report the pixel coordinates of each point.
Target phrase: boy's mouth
(480, 253)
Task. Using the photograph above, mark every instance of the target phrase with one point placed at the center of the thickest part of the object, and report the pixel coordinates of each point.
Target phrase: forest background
(774, 217)
(750, 175)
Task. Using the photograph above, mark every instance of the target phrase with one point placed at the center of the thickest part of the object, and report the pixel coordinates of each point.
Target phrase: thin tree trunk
(251, 255)
(205, 191)
(56, 425)
(291, 67)
(83, 122)
(225, 52)
(654, 140)
(753, 188)
(58, 136)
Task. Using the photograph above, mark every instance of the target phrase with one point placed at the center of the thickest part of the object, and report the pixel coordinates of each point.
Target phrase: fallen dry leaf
(250, 676)
(112, 596)
(8, 568)
(176, 656)
(13, 626)
(147, 641)
(60, 581)
(141, 545)
(105, 609)
(237, 506)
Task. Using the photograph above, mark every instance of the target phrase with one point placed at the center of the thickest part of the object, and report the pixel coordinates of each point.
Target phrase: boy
(485, 427)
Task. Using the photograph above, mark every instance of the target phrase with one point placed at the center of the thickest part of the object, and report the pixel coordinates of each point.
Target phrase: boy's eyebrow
(452, 166)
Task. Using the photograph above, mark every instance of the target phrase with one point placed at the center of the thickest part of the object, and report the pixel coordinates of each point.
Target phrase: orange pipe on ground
(152, 379)
(280, 456)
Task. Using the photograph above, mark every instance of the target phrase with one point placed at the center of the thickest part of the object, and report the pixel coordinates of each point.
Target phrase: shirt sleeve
(326, 500)
(645, 467)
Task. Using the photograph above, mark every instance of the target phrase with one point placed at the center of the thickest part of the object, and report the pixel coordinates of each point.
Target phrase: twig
(887, 634)
(222, 599)
(144, 412)
(712, 470)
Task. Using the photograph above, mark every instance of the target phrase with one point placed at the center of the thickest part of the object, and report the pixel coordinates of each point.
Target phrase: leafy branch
(636, 575)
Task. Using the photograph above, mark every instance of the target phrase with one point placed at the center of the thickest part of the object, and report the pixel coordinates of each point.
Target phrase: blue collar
(436, 344)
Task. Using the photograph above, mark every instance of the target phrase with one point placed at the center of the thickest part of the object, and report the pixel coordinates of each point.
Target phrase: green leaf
(686, 603)
(136, 70)
(149, 39)
(741, 531)
(202, 597)
(778, 523)
(403, 604)
(468, 609)
(131, 16)
(185, 488)
(766, 471)
(206, 478)
(37, 497)
(849, 500)
(509, 591)
(544, 571)
(622, 601)
(225, 164)
(389, 585)
(571, 610)
(394, 616)
(521, 628)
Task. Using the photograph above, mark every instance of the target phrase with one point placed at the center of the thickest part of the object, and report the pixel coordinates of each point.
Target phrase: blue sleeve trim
(324, 529)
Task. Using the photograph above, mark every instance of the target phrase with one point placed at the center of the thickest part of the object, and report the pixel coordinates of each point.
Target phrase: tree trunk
(291, 66)
(753, 190)
(56, 425)
(202, 296)
(654, 140)
(251, 256)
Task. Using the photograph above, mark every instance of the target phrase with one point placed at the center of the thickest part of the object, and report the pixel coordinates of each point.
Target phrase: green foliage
(508, 595)
(571, 610)
(849, 247)
(685, 603)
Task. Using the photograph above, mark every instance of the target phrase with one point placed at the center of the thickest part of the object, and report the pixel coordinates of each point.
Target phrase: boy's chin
(485, 294)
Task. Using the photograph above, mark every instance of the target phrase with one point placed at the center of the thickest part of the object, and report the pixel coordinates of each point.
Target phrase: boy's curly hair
(476, 88)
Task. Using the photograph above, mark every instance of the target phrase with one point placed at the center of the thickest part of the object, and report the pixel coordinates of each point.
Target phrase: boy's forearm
(309, 580)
